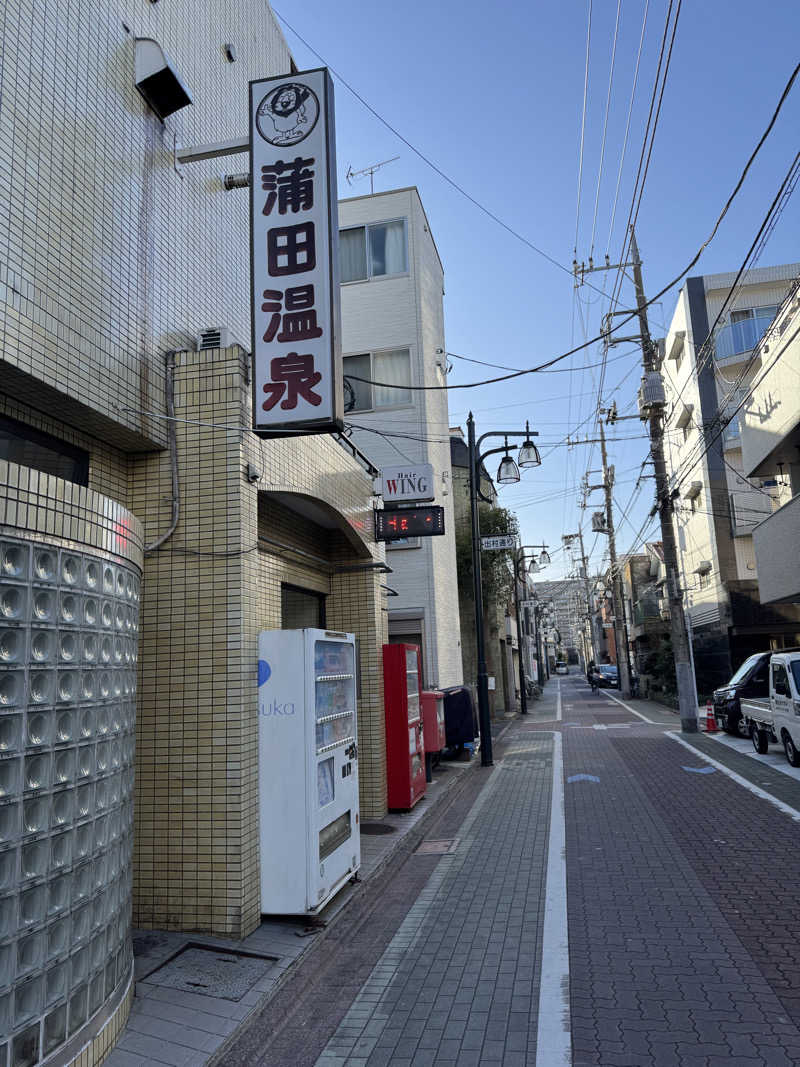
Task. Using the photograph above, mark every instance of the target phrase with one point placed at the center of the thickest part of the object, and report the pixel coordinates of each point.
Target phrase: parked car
(749, 682)
(778, 718)
(561, 667)
(606, 676)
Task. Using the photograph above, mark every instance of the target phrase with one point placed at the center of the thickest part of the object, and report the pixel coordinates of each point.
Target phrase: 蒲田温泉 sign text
(297, 364)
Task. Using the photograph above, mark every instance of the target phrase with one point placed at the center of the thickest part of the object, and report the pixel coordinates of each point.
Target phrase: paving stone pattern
(662, 972)
(457, 983)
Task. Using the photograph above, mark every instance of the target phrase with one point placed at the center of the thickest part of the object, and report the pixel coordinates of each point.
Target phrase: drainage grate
(212, 972)
(428, 848)
(375, 829)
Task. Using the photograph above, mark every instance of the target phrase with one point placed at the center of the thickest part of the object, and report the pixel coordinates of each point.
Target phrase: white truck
(777, 718)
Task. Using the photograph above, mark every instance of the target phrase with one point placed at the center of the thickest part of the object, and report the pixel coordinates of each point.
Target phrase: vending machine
(308, 768)
(405, 750)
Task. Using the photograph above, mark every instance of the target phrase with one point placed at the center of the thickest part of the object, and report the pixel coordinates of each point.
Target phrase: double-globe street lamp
(521, 573)
(507, 474)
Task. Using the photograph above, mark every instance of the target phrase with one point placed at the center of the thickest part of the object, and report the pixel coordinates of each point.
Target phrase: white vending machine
(308, 768)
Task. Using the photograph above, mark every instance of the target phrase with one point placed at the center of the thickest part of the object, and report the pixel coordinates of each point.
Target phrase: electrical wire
(634, 314)
(583, 127)
(627, 126)
(421, 155)
(605, 128)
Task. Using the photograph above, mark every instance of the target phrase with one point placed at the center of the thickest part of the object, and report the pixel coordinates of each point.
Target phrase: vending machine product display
(308, 768)
(405, 749)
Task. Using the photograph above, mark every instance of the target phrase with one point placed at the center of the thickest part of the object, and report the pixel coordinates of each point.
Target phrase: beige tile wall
(208, 592)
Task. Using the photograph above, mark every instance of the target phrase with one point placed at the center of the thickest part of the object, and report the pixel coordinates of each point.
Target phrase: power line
(583, 127)
(605, 127)
(627, 126)
(633, 314)
(425, 159)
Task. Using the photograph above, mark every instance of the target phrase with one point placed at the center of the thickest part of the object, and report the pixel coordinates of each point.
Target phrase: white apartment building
(771, 451)
(393, 332)
(718, 508)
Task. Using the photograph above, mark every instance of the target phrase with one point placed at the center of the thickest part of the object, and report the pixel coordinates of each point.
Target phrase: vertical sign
(294, 234)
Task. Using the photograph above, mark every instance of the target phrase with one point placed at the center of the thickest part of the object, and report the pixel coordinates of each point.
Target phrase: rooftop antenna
(354, 175)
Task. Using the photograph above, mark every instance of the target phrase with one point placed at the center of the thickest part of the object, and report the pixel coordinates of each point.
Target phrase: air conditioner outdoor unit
(217, 337)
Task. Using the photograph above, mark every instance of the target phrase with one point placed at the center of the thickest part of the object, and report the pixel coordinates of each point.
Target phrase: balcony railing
(739, 337)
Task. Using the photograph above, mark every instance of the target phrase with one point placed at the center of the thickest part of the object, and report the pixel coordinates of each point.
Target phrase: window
(373, 251)
(780, 680)
(705, 580)
(301, 608)
(22, 444)
(392, 367)
(404, 542)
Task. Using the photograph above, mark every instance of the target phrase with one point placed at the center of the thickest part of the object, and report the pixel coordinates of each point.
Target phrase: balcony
(775, 541)
(740, 338)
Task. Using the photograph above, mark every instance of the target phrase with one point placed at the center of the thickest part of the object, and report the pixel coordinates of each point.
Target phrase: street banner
(294, 256)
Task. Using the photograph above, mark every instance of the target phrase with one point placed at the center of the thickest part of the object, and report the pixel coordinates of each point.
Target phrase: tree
(496, 567)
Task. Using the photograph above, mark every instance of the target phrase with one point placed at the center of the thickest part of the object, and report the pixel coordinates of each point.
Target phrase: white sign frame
(409, 477)
(296, 334)
(500, 543)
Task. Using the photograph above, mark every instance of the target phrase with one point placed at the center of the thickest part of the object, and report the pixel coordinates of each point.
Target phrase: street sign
(294, 256)
(394, 524)
(413, 482)
(494, 544)
(608, 625)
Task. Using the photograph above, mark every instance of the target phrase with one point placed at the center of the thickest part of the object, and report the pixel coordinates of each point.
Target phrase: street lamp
(508, 472)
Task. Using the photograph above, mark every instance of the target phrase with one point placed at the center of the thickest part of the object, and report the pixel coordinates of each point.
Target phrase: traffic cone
(711, 721)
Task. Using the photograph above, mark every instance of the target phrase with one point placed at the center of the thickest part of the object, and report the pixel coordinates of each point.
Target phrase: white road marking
(633, 711)
(558, 700)
(553, 1034)
(771, 759)
(779, 804)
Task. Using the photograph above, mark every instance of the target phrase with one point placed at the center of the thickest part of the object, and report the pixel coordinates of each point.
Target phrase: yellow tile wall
(207, 593)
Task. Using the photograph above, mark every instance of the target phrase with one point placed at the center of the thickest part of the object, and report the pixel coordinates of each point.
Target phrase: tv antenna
(354, 175)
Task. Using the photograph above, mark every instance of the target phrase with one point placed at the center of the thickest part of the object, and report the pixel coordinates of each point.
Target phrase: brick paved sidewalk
(458, 982)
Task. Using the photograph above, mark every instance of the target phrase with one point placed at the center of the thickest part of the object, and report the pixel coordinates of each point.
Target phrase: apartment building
(770, 428)
(708, 368)
(393, 334)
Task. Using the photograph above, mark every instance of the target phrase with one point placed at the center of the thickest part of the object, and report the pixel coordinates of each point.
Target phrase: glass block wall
(68, 650)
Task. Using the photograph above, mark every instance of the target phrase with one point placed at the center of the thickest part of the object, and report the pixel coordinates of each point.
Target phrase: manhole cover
(375, 829)
(212, 972)
(438, 847)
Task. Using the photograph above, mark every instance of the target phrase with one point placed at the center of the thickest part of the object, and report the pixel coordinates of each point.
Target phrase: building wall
(70, 582)
(108, 255)
(716, 526)
(215, 587)
(406, 312)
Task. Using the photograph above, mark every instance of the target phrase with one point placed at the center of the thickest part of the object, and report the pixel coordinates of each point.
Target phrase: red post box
(405, 749)
(433, 725)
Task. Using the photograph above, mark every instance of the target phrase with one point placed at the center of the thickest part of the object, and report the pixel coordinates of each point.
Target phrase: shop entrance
(301, 608)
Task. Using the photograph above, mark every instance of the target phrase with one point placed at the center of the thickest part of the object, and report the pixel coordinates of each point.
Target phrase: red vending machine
(405, 751)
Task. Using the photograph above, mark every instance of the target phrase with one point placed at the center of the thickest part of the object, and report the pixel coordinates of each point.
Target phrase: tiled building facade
(114, 259)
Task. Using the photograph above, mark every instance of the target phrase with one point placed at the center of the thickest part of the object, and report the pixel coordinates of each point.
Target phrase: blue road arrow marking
(583, 778)
(700, 770)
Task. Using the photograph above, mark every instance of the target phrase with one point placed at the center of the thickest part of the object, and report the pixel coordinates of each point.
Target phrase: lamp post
(518, 557)
(507, 473)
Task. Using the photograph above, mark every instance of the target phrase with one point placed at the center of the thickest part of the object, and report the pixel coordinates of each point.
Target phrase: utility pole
(616, 578)
(620, 638)
(587, 615)
(654, 414)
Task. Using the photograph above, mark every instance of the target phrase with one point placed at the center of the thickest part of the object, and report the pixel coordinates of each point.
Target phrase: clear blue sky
(493, 94)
